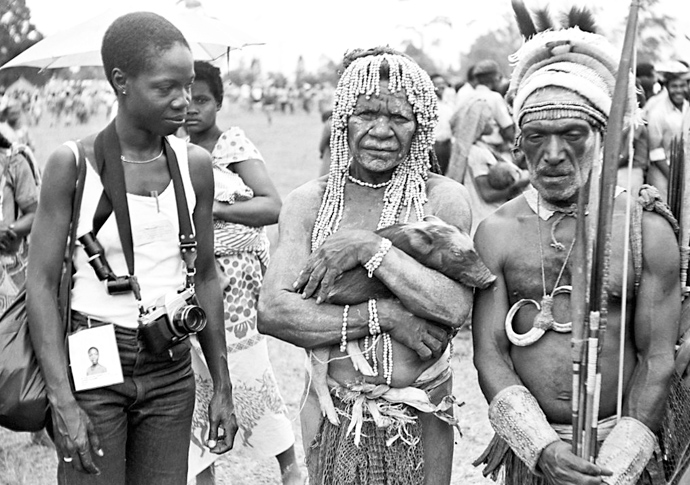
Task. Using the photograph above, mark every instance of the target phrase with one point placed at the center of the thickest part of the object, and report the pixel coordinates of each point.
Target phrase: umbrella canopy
(80, 45)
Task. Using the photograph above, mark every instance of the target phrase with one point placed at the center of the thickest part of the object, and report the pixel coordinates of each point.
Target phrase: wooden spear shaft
(612, 144)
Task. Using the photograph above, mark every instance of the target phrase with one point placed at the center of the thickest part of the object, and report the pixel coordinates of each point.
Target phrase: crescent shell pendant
(536, 332)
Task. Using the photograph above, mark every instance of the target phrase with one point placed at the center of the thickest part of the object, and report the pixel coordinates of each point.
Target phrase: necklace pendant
(544, 319)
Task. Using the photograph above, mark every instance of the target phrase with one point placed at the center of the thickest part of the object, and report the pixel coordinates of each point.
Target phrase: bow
(592, 259)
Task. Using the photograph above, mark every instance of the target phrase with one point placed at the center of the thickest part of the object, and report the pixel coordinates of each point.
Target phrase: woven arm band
(516, 417)
(626, 451)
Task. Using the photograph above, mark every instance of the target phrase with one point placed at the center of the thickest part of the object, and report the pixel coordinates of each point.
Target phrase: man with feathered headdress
(561, 91)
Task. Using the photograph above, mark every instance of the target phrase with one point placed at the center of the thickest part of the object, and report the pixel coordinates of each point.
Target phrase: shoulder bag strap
(65, 289)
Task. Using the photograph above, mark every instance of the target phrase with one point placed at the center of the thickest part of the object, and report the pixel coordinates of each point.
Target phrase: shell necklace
(544, 320)
(367, 184)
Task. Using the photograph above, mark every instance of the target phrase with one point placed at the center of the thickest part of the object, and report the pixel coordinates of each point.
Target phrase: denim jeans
(143, 424)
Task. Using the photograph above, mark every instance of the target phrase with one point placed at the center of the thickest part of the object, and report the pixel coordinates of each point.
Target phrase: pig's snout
(475, 273)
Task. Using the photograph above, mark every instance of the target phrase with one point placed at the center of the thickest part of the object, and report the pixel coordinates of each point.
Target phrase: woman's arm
(288, 315)
(212, 337)
(424, 291)
(74, 434)
(260, 210)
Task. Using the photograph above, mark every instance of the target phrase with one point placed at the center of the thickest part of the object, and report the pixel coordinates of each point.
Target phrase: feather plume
(543, 20)
(580, 17)
(524, 19)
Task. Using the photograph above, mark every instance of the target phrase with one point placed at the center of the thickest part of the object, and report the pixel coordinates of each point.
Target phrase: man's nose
(554, 153)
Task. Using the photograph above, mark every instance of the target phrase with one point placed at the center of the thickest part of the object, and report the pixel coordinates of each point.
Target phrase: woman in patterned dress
(245, 201)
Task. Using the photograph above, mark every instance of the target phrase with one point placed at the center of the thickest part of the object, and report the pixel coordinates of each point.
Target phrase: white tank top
(158, 264)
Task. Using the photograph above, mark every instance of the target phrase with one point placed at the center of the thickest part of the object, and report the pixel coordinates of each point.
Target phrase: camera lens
(189, 319)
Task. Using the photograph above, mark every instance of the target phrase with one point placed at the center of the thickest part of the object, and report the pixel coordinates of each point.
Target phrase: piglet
(433, 243)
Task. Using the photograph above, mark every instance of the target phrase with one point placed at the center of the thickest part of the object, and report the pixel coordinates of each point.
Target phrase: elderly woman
(383, 121)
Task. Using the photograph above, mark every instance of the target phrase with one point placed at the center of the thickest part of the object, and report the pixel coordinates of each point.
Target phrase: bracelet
(626, 451)
(387, 358)
(343, 330)
(374, 326)
(515, 415)
(376, 259)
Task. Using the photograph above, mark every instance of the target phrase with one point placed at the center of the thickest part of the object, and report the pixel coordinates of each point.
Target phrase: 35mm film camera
(171, 319)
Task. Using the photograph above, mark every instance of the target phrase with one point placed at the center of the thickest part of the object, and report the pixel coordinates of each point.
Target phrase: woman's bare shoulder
(306, 198)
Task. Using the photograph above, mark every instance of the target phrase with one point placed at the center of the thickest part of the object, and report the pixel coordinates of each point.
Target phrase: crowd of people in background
(474, 136)
(474, 144)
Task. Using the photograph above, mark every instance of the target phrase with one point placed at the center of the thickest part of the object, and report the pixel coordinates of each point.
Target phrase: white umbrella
(80, 45)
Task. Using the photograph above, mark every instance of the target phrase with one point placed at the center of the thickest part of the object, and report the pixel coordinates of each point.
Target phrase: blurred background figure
(245, 202)
(664, 121)
(488, 78)
(19, 188)
(490, 181)
(446, 108)
(13, 124)
(466, 90)
(633, 177)
(648, 80)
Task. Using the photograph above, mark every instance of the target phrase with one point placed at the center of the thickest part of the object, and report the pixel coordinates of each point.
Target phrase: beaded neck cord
(407, 188)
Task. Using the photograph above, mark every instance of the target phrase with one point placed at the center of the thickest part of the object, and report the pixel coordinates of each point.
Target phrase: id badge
(94, 358)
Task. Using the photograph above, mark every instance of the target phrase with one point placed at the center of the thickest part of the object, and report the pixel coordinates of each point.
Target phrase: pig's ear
(421, 240)
(431, 218)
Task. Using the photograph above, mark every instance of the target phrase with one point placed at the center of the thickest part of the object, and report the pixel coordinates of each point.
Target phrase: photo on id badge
(94, 359)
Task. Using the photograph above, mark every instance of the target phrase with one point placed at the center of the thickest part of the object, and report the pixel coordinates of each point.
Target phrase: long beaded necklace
(141, 162)
(544, 320)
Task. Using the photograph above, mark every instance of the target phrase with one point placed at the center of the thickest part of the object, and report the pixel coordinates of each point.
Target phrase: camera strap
(114, 199)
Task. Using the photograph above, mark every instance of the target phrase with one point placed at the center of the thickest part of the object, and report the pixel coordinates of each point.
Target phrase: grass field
(289, 145)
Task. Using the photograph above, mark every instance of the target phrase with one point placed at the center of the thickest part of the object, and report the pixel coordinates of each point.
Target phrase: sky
(318, 29)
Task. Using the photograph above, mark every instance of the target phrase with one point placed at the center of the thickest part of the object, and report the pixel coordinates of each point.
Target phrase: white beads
(343, 330)
(375, 261)
(407, 187)
(374, 325)
(367, 184)
(387, 358)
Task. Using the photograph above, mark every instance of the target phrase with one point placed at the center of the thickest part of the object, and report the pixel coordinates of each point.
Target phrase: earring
(124, 92)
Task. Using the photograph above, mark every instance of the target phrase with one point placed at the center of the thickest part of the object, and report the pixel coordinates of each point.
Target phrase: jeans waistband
(80, 320)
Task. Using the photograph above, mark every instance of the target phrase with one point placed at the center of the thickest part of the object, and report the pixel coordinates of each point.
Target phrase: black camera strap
(114, 199)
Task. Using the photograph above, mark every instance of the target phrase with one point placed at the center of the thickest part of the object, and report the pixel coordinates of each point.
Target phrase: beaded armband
(626, 451)
(376, 259)
(516, 417)
(343, 330)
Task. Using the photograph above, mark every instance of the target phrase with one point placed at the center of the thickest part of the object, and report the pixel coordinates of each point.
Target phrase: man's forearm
(649, 389)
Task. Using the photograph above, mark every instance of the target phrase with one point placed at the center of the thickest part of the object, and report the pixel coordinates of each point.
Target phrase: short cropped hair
(134, 39)
(210, 74)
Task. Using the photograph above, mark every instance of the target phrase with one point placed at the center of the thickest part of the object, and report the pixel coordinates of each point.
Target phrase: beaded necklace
(406, 189)
(367, 184)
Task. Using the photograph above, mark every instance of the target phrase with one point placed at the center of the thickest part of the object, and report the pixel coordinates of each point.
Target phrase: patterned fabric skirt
(12, 278)
(261, 412)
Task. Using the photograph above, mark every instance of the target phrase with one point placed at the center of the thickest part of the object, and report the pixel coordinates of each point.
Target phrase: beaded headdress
(407, 188)
(570, 58)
